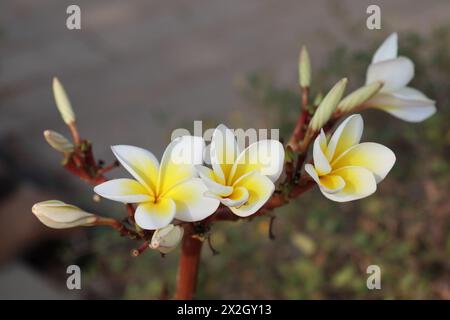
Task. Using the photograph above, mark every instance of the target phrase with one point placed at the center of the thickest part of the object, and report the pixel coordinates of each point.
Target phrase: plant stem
(75, 134)
(188, 266)
(298, 132)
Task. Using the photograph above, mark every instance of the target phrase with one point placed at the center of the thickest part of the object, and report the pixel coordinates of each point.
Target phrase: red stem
(298, 132)
(75, 134)
(188, 266)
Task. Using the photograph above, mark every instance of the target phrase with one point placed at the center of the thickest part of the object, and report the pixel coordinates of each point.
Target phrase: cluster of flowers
(244, 180)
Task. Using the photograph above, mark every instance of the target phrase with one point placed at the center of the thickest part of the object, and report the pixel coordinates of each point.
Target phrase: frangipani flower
(163, 191)
(395, 97)
(242, 181)
(59, 215)
(345, 169)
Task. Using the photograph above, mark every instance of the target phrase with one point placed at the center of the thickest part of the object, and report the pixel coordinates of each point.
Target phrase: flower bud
(359, 96)
(304, 68)
(62, 102)
(59, 215)
(166, 239)
(328, 105)
(58, 141)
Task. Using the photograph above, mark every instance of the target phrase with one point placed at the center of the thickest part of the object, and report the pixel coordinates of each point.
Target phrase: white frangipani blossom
(395, 97)
(163, 191)
(242, 181)
(346, 169)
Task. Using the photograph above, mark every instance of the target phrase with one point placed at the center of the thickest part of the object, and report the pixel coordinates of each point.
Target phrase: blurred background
(139, 69)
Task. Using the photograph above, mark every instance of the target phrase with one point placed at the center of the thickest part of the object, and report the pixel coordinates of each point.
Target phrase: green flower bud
(62, 102)
(328, 105)
(304, 68)
(58, 141)
(359, 96)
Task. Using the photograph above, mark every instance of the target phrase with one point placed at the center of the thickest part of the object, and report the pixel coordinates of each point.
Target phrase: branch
(188, 266)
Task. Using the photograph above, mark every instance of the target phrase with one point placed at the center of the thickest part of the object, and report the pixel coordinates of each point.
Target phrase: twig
(271, 223)
(140, 250)
(213, 250)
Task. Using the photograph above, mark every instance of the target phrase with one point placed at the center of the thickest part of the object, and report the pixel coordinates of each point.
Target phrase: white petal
(124, 190)
(260, 189)
(140, 163)
(178, 162)
(191, 203)
(323, 142)
(265, 156)
(404, 109)
(395, 73)
(151, 216)
(321, 163)
(346, 135)
(359, 183)
(238, 198)
(224, 151)
(372, 156)
(309, 168)
(409, 93)
(387, 50)
(209, 179)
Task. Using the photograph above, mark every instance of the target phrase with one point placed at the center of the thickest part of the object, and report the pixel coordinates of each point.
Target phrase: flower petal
(209, 179)
(224, 151)
(178, 162)
(359, 183)
(414, 110)
(259, 187)
(124, 190)
(321, 163)
(345, 136)
(332, 183)
(191, 203)
(140, 163)
(265, 156)
(309, 168)
(239, 197)
(409, 93)
(387, 50)
(323, 143)
(151, 216)
(395, 73)
(373, 156)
